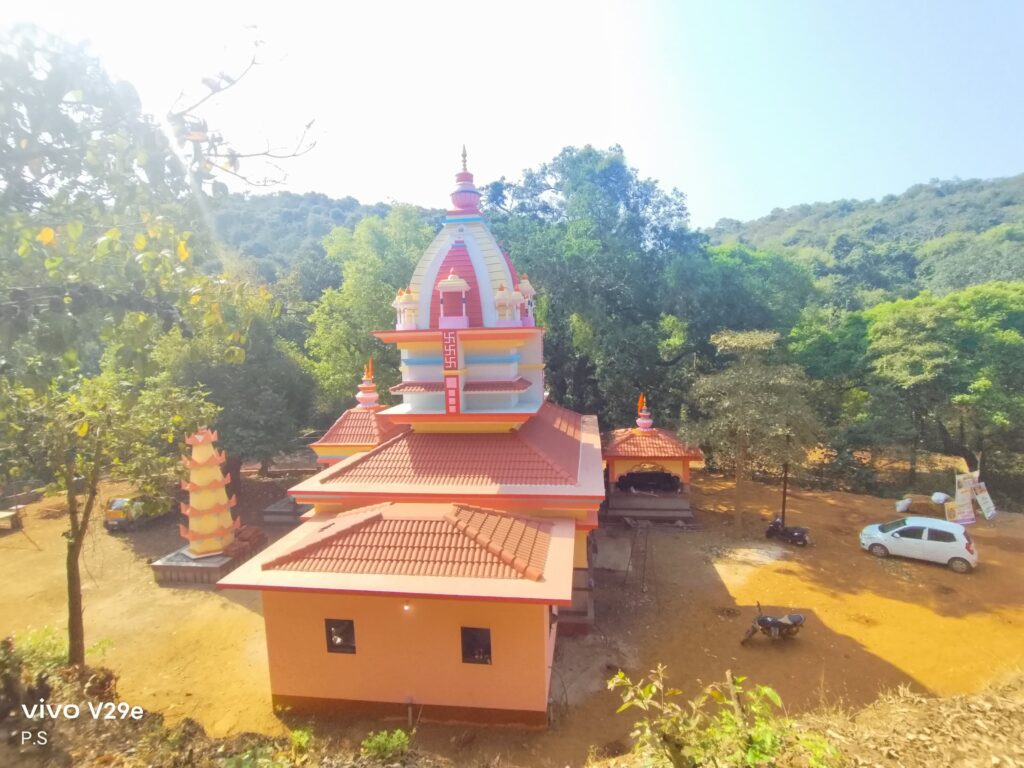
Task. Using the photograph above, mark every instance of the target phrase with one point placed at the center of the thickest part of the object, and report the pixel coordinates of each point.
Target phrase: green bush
(301, 739)
(382, 745)
(726, 725)
(46, 650)
(42, 650)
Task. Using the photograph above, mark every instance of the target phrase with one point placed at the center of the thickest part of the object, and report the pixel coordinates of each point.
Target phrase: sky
(743, 106)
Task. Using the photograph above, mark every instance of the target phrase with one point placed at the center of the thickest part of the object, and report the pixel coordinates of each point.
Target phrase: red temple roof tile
(417, 387)
(653, 443)
(360, 426)
(453, 540)
(544, 451)
(515, 385)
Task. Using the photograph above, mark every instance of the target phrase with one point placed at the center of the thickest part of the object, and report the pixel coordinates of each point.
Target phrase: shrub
(382, 745)
(301, 739)
(726, 725)
(42, 650)
(46, 650)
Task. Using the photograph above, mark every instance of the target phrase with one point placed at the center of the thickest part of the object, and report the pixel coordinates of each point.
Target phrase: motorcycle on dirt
(775, 627)
(790, 534)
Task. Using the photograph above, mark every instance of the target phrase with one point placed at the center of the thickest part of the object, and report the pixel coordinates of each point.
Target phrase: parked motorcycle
(774, 626)
(790, 534)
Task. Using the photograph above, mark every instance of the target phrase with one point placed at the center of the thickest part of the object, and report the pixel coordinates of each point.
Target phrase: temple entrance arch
(648, 476)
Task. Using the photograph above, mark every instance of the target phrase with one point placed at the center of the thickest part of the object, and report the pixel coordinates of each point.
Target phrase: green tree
(596, 239)
(909, 345)
(756, 412)
(98, 259)
(264, 401)
(377, 258)
(104, 424)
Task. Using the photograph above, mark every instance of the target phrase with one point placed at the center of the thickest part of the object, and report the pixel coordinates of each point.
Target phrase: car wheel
(960, 565)
(878, 550)
(801, 542)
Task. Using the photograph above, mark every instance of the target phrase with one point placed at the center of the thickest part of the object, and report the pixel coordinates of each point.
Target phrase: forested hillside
(939, 236)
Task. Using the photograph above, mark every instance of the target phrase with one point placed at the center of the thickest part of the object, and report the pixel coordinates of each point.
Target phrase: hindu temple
(448, 542)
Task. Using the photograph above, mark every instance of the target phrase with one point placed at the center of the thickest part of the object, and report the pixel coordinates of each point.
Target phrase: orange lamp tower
(210, 525)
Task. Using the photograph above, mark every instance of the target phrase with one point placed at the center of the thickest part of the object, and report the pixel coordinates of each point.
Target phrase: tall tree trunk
(912, 469)
(958, 447)
(233, 466)
(76, 621)
(79, 522)
(741, 478)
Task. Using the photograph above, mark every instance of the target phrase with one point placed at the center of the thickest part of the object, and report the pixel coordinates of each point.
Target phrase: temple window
(476, 645)
(341, 635)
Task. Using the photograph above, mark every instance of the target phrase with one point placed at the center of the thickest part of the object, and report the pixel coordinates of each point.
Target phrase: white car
(923, 538)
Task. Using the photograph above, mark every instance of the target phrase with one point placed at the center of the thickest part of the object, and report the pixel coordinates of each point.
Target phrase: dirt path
(871, 624)
(185, 652)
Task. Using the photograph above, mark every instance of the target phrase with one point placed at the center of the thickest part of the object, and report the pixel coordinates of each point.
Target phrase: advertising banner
(961, 510)
(988, 508)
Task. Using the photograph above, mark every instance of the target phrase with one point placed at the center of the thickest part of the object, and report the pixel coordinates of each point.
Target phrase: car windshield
(886, 527)
(118, 503)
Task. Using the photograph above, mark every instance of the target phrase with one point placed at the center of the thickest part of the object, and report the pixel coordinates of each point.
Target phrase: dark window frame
(339, 628)
(915, 528)
(476, 645)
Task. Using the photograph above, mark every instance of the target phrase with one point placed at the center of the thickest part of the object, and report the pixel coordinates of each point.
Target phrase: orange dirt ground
(872, 624)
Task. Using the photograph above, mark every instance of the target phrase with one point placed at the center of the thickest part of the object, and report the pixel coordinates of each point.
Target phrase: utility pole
(785, 481)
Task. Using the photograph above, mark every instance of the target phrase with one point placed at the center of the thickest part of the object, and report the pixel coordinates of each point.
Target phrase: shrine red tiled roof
(654, 443)
(360, 426)
(519, 384)
(417, 387)
(544, 451)
(515, 385)
(456, 540)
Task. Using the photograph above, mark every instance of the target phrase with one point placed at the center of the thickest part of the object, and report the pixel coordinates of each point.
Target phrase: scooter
(790, 534)
(774, 627)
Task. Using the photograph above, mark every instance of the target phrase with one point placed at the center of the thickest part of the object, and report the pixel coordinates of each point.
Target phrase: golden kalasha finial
(463, 157)
(641, 403)
(368, 370)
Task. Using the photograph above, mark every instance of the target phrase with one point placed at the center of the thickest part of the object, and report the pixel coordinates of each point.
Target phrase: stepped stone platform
(653, 506)
(285, 512)
(180, 567)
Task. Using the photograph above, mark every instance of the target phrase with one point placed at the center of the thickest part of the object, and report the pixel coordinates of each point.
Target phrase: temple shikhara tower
(210, 526)
(447, 546)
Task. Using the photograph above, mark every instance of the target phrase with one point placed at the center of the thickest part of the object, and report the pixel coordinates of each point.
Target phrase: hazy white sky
(743, 106)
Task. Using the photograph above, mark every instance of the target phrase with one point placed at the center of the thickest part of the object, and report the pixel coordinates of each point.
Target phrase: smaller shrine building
(648, 471)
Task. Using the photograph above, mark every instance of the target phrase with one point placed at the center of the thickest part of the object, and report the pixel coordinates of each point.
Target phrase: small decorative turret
(527, 290)
(507, 303)
(210, 525)
(406, 306)
(644, 422)
(466, 197)
(453, 291)
(367, 394)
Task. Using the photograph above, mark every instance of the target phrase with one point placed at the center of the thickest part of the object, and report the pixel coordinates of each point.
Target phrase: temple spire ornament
(463, 158)
(211, 527)
(367, 395)
(644, 422)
